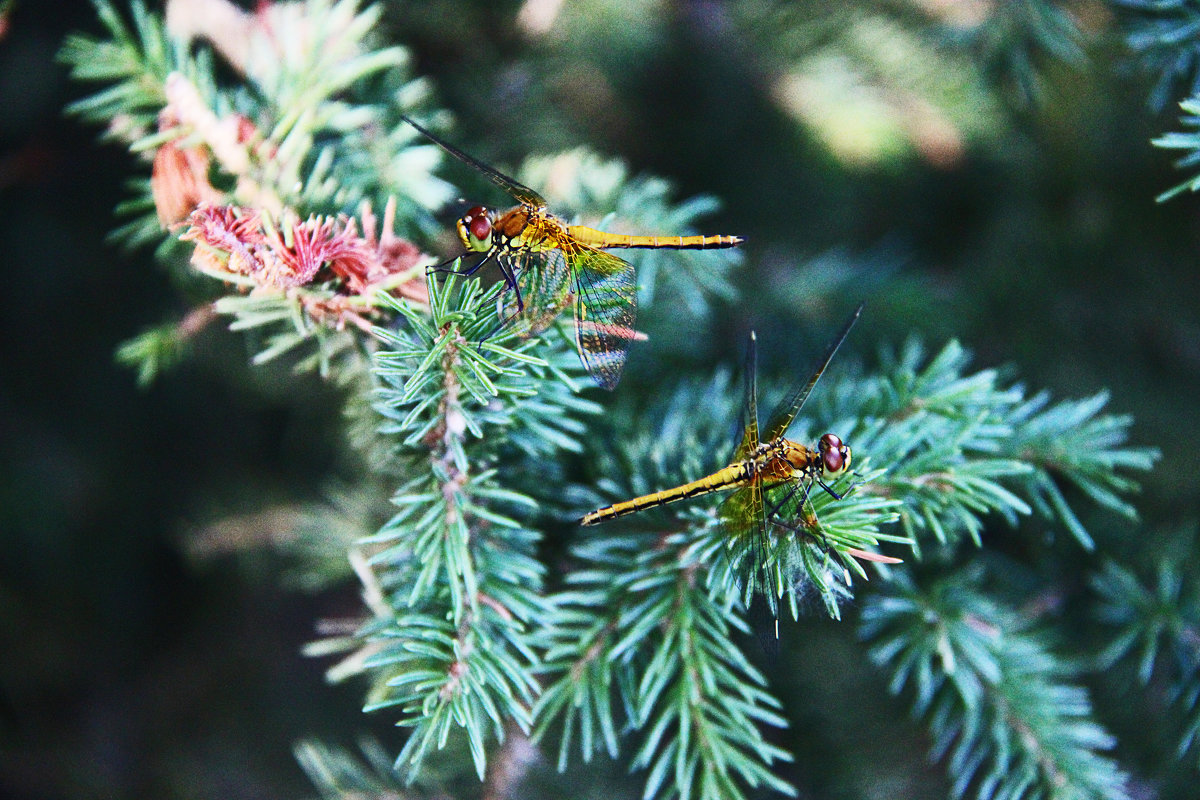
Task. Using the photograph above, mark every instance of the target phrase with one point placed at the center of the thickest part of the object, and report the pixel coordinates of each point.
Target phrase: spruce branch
(1071, 441)
(643, 637)
(339, 774)
(158, 349)
(1156, 625)
(1015, 40)
(459, 566)
(1187, 141)
(277, 149)
(643, 643)
(943, 447)
(639, 623)
(948, 447)
(1163, 35)
(317, 273)
(995, 698)
(962, 446)
(136, 60)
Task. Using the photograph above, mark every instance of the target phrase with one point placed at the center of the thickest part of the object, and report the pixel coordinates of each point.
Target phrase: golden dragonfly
(528, 238)
(766, 463)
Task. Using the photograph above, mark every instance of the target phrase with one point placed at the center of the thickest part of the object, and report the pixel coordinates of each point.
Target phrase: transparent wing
(787, 504)
(545, 283)
(518, 190)
(744, 520)
(742, 513)
(605, 310)
(750, 440)
(786, 411)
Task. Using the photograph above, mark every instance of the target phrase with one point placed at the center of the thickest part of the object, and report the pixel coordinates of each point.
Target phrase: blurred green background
(895, 152)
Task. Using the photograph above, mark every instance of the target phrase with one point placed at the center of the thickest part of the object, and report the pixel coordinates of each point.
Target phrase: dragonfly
(528, 238)
(766, 462)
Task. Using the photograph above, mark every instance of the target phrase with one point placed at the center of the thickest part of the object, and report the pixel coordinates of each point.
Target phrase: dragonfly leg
(800, 527)
(503, 321)
(510, 281)
(775, 509)
(854, 484)
(466, 273)
(510, 278)
(827, 488)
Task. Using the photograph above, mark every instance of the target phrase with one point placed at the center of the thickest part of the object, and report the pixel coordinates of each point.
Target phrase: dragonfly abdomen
(603, 239)
(727, 478)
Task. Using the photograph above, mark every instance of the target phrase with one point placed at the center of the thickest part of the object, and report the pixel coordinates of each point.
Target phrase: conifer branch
(994, 696)
(639, 623)
(136, 61)
(1015, 41)
(461, 570)
(1072, 442)
(1156, 627)
(962, 446)
(1187, 141)
(274, 163)
(1163, 35)
(339, 774)
(959, 447)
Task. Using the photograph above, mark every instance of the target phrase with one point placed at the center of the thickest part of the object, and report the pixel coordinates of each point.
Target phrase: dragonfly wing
(787, 503)
(749, 442)
(518, 190)
(742, 513)
(545, 284)
(605, 310)
(745, 524)
(786, 411)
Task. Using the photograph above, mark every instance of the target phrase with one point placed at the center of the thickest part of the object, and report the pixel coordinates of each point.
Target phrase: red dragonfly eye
(478, 222)
(475, 229)
(835, 456)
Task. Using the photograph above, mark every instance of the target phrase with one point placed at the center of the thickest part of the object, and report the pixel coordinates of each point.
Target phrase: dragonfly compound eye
(829, 442)
(835, 456)
(475, 228)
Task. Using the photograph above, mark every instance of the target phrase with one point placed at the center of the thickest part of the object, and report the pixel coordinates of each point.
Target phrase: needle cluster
(1162, 36)
(1153, 625)
(998, 703)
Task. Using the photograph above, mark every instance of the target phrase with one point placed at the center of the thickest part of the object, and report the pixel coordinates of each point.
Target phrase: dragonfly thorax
(475, 229)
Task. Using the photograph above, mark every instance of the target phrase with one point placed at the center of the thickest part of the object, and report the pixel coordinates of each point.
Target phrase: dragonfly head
(475, 229)
(835, 456)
